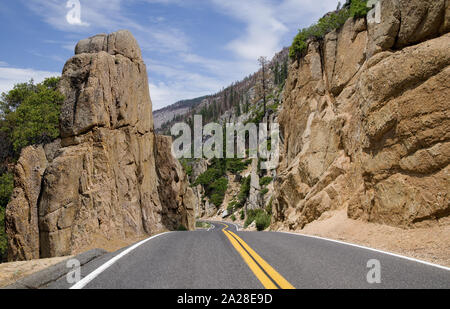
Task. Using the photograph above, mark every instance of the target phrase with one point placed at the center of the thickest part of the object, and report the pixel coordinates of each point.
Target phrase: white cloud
(109, 16)
(10, 76)
(162, 93)
(3, 64)
(268, 22)
(181, 84)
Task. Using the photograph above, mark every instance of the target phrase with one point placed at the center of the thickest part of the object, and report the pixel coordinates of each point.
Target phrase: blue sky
(191, 47)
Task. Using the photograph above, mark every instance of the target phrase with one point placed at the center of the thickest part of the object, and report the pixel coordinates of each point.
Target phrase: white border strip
(237, 227)
(82, 283)
(371, 249)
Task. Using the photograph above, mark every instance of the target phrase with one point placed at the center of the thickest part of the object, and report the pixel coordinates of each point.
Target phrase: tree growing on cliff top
(29, 113)
(328, 23)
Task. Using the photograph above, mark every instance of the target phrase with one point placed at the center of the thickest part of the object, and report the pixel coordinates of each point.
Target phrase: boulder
(173, 187)
(420, 20)
(22, 211)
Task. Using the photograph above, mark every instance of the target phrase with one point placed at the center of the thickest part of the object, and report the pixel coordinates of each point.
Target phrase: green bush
(217, 190)
(251, 216)
(236, 166)
(242, 214)
(3, 241)
(231, 206)
(359, 8)
(186, 167)
(261, 218)
(264, 191)
(248, 220)
(244, 191)
(269, 206)
(265, 181)
(208, 177)
(204, 225)
(6, 188)
(31, 113)
(214, 184)
(262, 221)
(328, 23)
(233, 217)
(181, 228)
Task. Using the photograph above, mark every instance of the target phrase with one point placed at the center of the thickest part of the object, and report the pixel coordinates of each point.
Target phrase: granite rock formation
(366, 121)
(110, 175)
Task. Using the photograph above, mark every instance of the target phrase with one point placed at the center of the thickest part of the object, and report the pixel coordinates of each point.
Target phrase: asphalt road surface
(225, 258)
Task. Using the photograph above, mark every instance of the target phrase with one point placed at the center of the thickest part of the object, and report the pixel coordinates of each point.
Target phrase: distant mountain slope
(235, 99)
(168, 113)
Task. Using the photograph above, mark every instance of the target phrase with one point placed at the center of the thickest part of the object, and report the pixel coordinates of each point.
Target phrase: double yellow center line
(265, 273)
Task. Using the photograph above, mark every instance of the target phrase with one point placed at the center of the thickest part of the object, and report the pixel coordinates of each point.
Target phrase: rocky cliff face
(110, 175)
(366, 122)
(177, 198)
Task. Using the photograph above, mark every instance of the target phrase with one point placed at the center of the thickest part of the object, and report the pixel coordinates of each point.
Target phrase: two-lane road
(225, 258)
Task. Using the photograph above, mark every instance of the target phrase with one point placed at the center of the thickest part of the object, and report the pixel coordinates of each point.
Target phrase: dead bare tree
(263, 63)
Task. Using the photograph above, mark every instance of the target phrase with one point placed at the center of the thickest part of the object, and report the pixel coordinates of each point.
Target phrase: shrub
(328, 23)
(265, 181)
(31, 113)
(233, 217)
(186, 167)
(269, 206)
(217, 190)
(236, 165)
(181, 228)
(264, 191)
(248, 220)
(251, 216)
(201, 224)
(359, 8)
(231, 206)
(242, 214)
(244, 191)
(6, 188)
(3, 241)
(208, 177)
(262, 221)
(214, 184)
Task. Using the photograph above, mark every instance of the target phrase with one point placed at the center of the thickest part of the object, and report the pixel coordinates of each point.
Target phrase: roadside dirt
(430, 244)
(11, 272)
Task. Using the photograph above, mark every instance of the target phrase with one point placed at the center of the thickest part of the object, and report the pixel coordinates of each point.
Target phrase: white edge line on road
(371, 249)
(237, 227)
(82, 283)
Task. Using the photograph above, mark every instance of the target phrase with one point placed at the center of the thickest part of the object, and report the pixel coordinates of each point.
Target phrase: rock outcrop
(22, 211)
(254, 199)
(111, 176)
(366, 121)
(178, 199)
